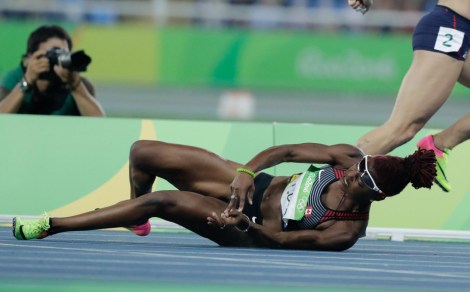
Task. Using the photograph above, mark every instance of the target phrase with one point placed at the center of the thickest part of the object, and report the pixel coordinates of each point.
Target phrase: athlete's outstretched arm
(338, 237)
(340, 155)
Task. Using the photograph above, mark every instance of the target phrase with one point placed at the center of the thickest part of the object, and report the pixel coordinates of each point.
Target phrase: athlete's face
(360, 178)
(366, 177)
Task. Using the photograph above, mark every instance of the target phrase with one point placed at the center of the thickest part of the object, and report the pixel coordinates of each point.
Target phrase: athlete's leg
(187, 168)
(187, 209)
(141, 182)
(460, 130)
(464, 78)
(453, 135)
(425, 88)
(443, 142)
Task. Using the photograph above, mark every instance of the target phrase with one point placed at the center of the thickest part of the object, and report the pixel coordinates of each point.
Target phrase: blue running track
(107, 260)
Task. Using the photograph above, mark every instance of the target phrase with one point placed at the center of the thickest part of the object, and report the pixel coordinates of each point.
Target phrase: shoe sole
(14, 227)
(437, 182)
(21, 231)
(441, 186)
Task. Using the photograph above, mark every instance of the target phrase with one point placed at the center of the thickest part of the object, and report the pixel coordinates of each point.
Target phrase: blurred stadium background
(313, 61)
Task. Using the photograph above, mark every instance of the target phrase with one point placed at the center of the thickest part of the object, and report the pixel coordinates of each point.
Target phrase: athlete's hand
(227, 218)
(243, 187)
(360, 5)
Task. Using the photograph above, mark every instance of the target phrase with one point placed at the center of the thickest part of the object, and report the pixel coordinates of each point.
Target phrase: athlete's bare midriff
(462, 7)
(271, 204)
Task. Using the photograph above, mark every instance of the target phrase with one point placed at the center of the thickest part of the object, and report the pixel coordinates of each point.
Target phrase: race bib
(295, 196)
(449, 40)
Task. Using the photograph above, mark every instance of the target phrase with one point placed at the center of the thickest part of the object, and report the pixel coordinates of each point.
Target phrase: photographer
(47, 82)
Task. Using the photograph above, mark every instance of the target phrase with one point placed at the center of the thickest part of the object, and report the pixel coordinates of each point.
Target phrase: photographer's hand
(35, 65)
(71, 78)
(82, 91)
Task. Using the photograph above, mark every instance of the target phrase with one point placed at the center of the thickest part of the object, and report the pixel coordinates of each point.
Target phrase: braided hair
(395, 173)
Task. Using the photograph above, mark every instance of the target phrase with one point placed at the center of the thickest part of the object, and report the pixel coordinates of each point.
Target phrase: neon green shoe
(441, 164)
(31, 229)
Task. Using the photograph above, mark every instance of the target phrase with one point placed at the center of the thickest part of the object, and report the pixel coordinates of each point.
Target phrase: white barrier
(401, 234)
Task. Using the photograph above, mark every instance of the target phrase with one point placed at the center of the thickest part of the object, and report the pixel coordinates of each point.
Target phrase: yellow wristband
(240, 169)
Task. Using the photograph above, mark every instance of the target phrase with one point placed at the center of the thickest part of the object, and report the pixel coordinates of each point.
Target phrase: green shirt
(34, 103)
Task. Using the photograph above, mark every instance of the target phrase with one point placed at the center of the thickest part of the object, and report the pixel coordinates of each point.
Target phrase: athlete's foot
(31, 228)
(141, 230)
(441, 165)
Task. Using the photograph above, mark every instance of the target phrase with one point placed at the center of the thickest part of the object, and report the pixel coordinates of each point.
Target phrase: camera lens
(64, 60)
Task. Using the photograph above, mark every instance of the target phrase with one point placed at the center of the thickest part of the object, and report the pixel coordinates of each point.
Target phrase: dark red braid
(395, 173)
(422, 168)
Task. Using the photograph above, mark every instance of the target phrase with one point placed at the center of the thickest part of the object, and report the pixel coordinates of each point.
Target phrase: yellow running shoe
(441, 164)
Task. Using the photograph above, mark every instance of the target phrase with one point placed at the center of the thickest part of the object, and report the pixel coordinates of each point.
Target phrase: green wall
(52, 162)
(141, 53)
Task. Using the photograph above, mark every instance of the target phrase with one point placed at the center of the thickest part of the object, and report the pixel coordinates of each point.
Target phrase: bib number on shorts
(449, 40)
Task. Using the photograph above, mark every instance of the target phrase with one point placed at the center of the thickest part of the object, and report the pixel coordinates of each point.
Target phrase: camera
(74, 61)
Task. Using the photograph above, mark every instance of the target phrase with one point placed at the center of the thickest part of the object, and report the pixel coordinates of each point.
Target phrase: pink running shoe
(141, 230)
(441, 165)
